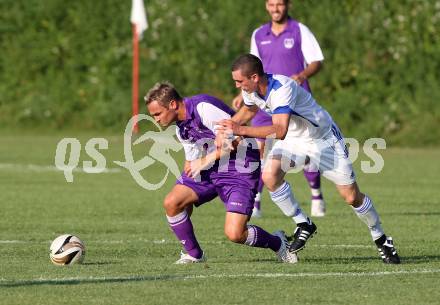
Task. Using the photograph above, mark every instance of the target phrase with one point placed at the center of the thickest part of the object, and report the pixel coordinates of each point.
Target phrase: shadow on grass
(411, 213)
(421, 259)
(73, 281)
(98, 263)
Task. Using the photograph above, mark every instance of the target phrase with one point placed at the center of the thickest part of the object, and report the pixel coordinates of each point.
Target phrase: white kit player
(305, 132)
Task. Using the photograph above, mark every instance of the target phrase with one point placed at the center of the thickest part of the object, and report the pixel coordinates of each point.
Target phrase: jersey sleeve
(211, 114)
(309, 45)
(283, 99)
(254, 46)
(192, 151)
(247, 99)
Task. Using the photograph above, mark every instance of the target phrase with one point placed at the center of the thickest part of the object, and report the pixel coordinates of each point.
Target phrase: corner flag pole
(135, 78)
(139, 24)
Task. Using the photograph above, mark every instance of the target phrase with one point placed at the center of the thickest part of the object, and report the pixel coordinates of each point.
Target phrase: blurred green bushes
(68, 63)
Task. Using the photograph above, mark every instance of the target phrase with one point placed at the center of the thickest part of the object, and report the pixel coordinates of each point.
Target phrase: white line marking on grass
(311, 274)
(78, 280)
(51, 168)
(164, 241)
(14, 242)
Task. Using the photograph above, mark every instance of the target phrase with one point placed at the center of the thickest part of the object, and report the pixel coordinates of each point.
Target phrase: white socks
(284, 199)
(367, 213)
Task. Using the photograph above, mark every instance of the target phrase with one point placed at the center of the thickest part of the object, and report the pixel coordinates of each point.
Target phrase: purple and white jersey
(235, 187)
(289, 52)
(197, 131)
(308, 120)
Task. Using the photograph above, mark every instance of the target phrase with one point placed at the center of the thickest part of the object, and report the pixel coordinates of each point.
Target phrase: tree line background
(67, 64)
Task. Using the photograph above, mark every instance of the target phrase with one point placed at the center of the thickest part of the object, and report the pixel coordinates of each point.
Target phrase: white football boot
(283, 253)
(318, 208)
(188, 259)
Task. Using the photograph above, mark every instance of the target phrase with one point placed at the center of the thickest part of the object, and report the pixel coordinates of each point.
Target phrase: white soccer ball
(67, 250)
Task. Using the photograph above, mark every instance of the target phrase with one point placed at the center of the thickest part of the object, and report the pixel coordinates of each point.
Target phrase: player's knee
(235, 235)
(349, 197)
(171, 204)
(269, 181)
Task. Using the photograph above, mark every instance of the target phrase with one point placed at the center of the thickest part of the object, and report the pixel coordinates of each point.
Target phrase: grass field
(130, 249)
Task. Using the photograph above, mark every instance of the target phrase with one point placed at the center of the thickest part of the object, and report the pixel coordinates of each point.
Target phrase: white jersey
(308, 120)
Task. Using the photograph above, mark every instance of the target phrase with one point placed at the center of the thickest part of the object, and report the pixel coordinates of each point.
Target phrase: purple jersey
(236, 187)
(192, 128)
(281, 54)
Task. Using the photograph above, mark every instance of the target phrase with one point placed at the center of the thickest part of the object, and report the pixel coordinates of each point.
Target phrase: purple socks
(314, 179)
(182, 227)
(259, 238)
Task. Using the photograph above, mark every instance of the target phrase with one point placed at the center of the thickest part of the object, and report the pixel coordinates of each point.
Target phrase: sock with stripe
(257, 237)
(284, 199)
(257, 201)
(367, 213)
(313, 177)
(182, 227)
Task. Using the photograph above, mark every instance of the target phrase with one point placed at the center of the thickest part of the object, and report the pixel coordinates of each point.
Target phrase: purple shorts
(236, 190)
(261, 119)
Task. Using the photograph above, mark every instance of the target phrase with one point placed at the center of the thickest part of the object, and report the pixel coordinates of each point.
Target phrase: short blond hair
(163, 93)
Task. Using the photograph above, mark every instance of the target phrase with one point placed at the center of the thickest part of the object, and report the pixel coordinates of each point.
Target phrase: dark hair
(248, 64)
(285, 2)
(163, 93)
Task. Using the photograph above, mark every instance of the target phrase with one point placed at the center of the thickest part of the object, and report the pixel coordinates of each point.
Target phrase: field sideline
(130, 249)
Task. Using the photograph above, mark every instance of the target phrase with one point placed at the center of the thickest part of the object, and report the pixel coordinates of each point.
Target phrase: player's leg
(363, 207)
(237, 230)
(260, 119)
(337, 167)
(256, 211)
(237, 191)
(178, 207)
(313, 177)
(281, 193)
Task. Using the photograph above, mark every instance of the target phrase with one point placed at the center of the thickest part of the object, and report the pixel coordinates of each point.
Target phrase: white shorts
(329, 154)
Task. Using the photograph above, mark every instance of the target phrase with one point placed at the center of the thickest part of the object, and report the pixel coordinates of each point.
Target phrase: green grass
(131, 250)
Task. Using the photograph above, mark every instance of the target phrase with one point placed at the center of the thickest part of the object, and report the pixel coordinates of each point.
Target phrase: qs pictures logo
(163, 141)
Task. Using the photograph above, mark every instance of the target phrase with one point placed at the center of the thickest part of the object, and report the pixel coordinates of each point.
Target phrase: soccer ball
(67, 250)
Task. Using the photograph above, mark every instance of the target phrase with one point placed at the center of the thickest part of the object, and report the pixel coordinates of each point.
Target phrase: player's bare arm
(308, 72)
(245, 114)
(198, 165)
(237, 102)
(278, 129)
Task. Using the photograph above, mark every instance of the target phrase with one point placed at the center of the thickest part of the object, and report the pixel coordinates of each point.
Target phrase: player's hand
(187, 169)
(223, 138)
(200, 164)
(299, 78)
(195, 168)
(237, 102)
(229, 127)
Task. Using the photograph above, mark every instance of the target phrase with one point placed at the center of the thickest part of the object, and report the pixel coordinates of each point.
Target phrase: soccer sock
(257, 202)
(182, 227)
(367, 213)
(259, 238)
(284, 199)
(314, 179)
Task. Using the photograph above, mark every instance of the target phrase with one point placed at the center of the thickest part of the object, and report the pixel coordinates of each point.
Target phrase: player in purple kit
(287, 47)
(204, 178)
